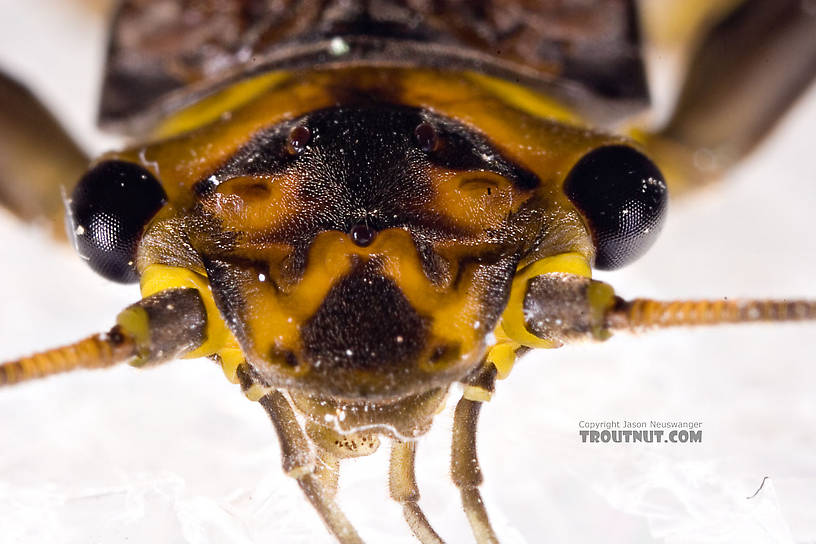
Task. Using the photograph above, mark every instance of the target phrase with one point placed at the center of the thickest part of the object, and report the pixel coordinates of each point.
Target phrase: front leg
(403, 487)
(299, 460)
(465, 470)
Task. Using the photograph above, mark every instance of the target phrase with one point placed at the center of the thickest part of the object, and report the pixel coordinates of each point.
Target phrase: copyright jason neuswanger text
(635, 431)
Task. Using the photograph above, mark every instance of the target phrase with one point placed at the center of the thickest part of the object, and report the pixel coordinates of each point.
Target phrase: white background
(176, 454)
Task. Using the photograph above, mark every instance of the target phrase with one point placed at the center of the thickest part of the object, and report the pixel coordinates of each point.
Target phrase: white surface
(177, 455)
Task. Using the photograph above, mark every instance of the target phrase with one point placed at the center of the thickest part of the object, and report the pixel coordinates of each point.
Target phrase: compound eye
(622, 195)
(109, 209)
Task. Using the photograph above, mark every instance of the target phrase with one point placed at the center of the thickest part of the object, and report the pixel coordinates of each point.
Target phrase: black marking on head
(363, 149)
(365, 322)
(461, 148)
(364, 164)
(445, 353)
(228, 282)
(284, 358)
(203, 187)
(267, 153)
(435, 267)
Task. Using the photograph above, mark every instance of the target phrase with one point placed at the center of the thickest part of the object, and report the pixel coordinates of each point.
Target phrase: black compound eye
(109, 209)
(623, 196)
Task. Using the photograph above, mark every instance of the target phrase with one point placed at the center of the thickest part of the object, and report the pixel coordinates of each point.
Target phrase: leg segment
(403, 487)
(332, 447)
(465, 471)
(299, 462)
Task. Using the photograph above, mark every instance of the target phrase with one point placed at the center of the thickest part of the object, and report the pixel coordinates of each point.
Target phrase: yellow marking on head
(275, 314)
(529, 128)
(158, 277)
(453, 312)
(213, 107)
(274, 318)
(512, 333)
(525, 99)
(182, 160)
(255, 203)
(474, 201)
(136, 322)
(544, 141)
(513, 322)
(330, 258)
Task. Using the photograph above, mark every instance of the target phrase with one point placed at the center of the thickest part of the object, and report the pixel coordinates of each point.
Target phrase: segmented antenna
(159, 328)
(97, 351)
(641, 314)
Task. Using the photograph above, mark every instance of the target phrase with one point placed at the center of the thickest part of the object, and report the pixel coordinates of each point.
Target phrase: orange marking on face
(474, 201)
(254, 203)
